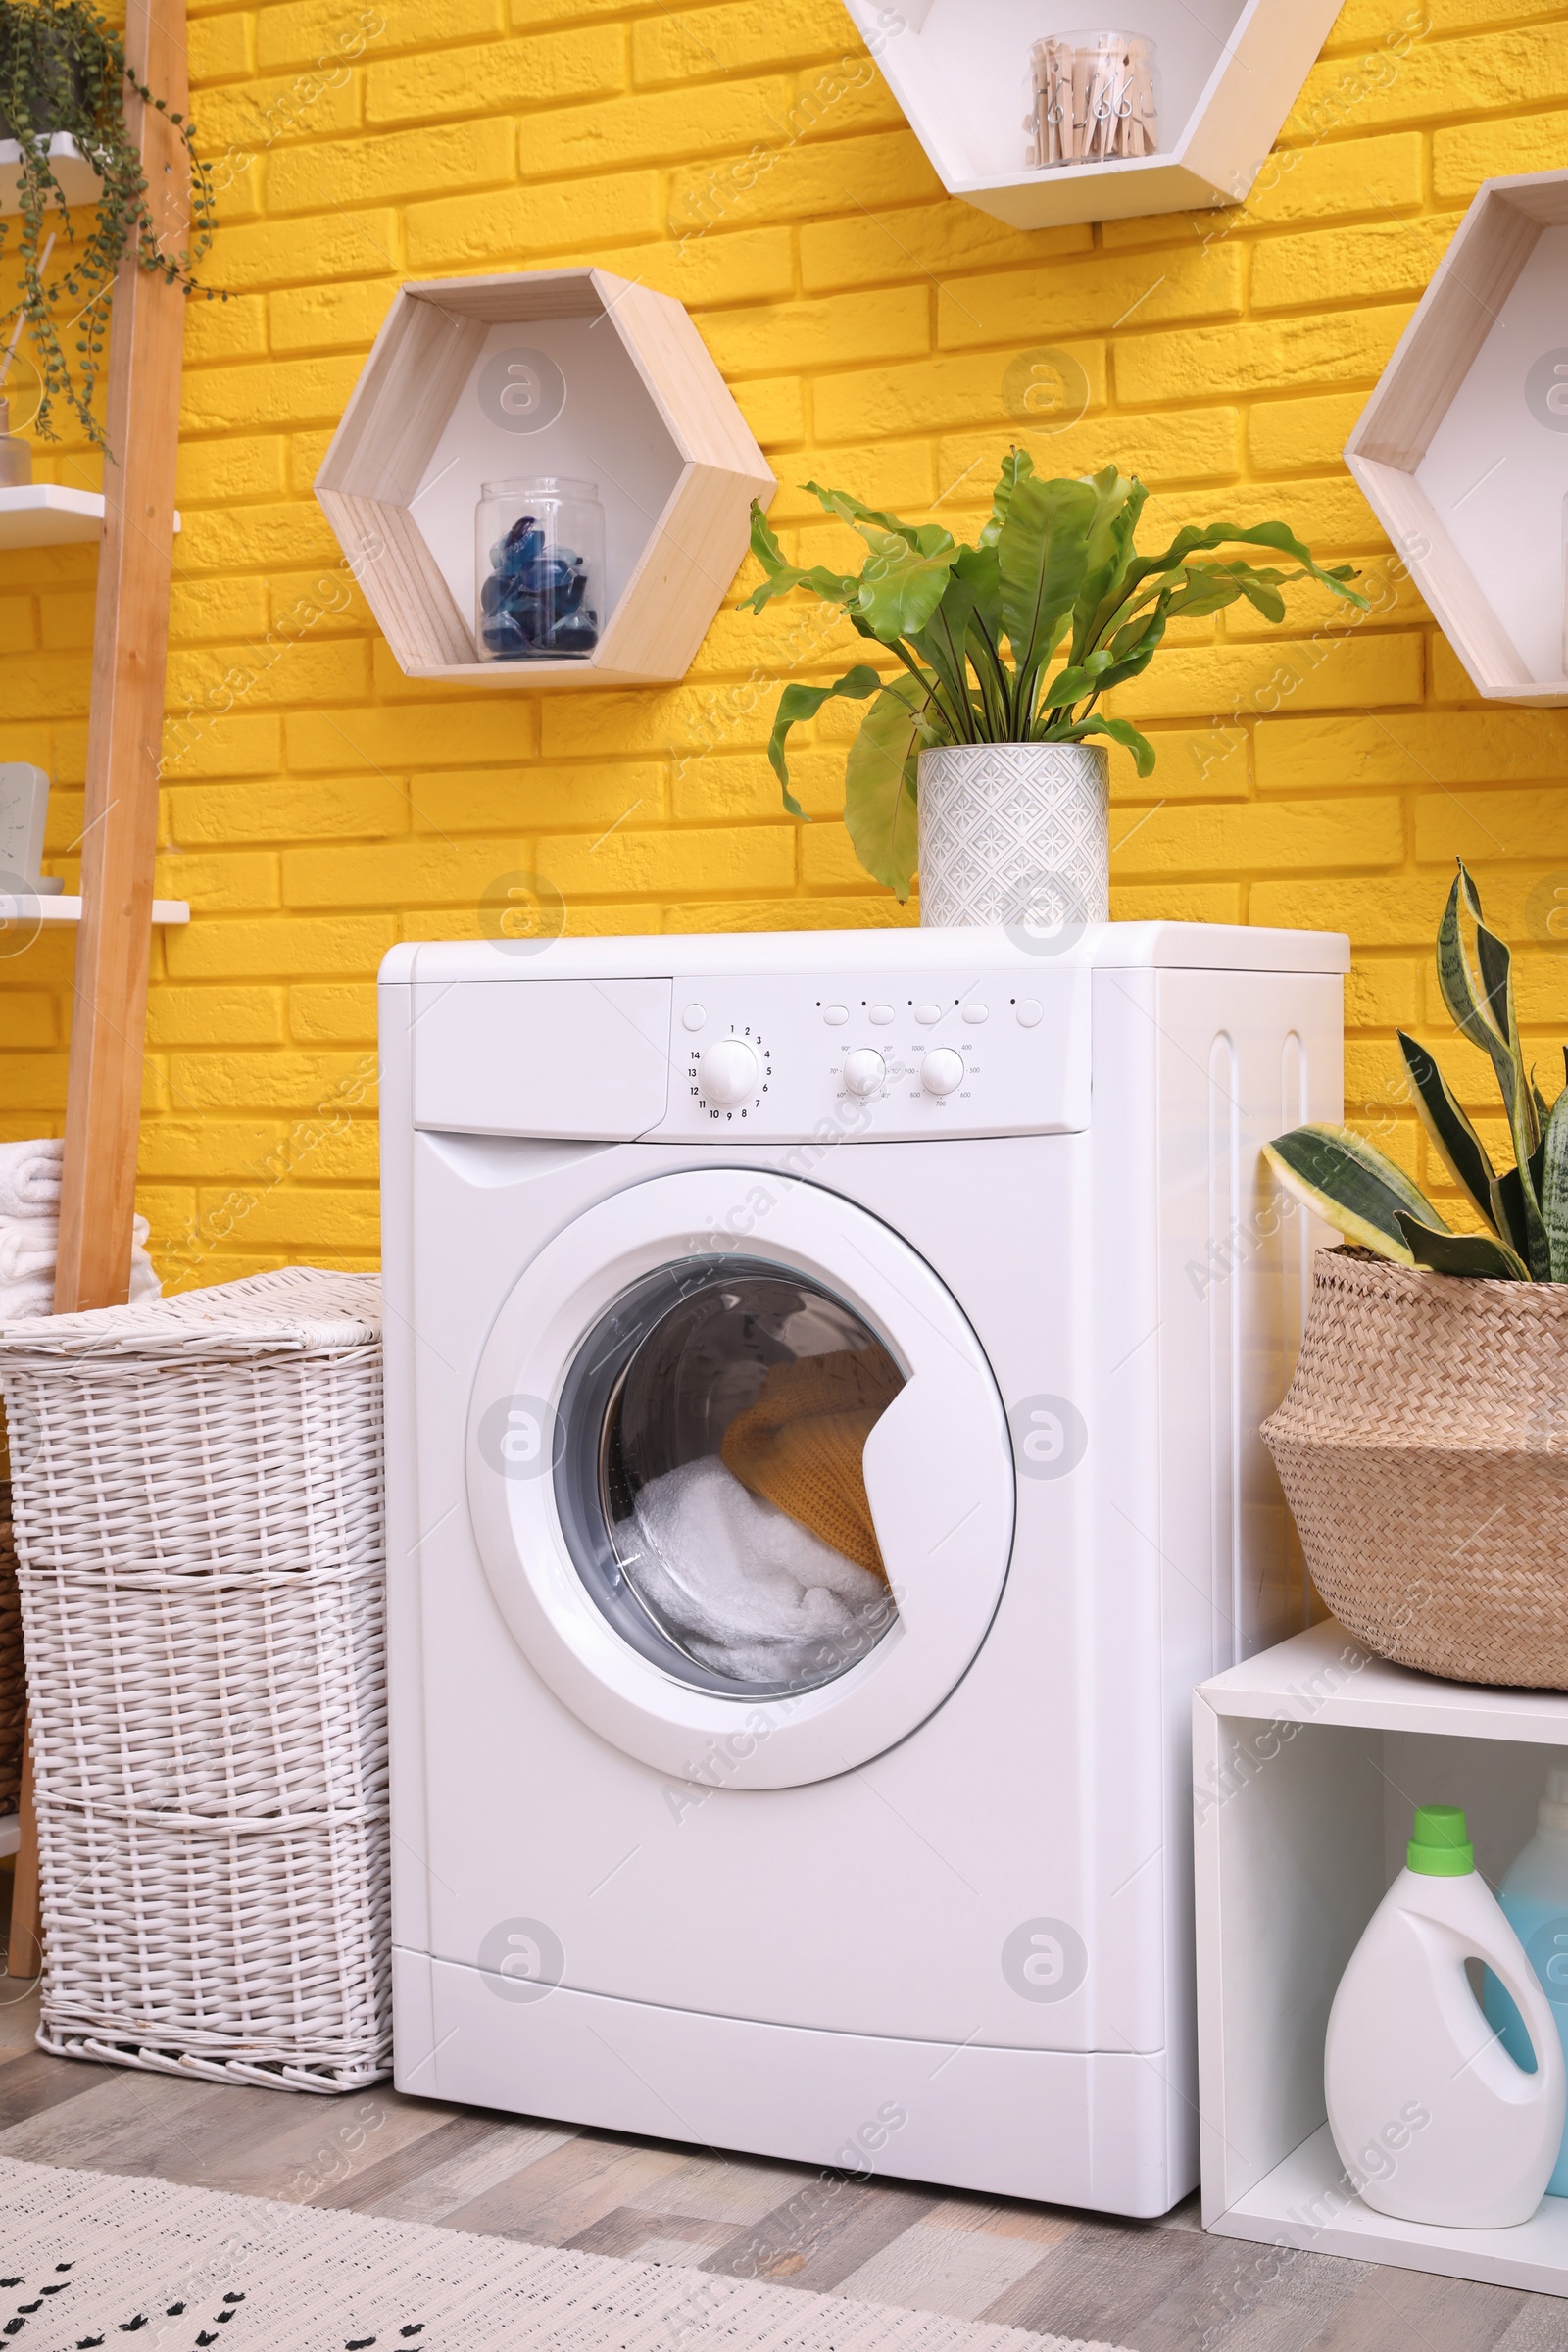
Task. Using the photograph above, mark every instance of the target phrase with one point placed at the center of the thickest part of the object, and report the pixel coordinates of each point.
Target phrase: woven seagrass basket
(1423, 1449)
(197, 1483)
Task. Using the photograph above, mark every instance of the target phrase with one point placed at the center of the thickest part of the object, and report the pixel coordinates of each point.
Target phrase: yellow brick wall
(746, 156)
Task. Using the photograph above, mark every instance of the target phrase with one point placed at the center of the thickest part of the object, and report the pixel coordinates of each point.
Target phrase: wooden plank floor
(1156, 2287)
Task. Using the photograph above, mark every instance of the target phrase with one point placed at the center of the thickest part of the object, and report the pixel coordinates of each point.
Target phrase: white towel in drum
(30, 1178)
(744, 1588)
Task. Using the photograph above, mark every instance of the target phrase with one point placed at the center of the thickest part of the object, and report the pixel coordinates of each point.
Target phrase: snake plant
(1055, 578)
(1356, 1189)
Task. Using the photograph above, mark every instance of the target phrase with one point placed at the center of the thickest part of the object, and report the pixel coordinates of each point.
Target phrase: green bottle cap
(1441, 1847)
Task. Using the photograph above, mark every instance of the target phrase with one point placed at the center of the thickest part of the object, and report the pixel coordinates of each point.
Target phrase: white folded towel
(144, 1283)
(30, 1178)
(742, 1587)
(30, 1250)
(18, 1299)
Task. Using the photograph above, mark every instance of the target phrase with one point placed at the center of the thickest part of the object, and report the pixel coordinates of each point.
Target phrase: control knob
(863, 1071)
(942, 1070)
(727, 1072)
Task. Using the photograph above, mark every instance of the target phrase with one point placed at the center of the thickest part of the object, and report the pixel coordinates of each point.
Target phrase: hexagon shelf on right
(1462, 450)
(1227, 74)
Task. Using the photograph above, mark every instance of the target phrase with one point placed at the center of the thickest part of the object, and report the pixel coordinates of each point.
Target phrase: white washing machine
(825, 1372)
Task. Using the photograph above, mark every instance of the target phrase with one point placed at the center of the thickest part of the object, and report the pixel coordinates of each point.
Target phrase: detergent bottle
(1534, 1902)
(1433, 2120)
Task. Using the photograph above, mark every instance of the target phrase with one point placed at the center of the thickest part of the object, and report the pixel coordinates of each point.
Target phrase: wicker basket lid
(297, 1309)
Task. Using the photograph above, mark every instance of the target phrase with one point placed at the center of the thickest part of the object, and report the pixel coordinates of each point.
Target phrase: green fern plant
(1013, 640)
(1357, 1189)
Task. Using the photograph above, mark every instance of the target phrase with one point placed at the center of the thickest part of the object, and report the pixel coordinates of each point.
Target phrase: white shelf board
(1304, 2202)
(1227, 74)
(47, 515)
(1326, 1676)
(52, 914)
(80, 182)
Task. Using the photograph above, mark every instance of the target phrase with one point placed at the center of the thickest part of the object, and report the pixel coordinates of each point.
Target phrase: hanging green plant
(63, 68)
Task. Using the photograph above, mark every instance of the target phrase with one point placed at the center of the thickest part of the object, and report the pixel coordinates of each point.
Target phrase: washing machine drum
(741, 1477)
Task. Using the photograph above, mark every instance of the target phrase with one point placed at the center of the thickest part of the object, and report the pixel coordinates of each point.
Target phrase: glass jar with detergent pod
(539, 570)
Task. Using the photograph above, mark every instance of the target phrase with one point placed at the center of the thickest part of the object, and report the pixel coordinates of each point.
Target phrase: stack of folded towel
(30, 1232)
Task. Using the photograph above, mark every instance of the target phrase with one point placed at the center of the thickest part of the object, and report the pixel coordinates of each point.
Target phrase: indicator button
(974, 1015)
(1031, 1013)
(694, 1016)
(835, 1015)
(881, 1014)
(928, 1015)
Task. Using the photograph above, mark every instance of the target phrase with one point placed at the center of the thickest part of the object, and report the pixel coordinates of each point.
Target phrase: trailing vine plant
(64, 69)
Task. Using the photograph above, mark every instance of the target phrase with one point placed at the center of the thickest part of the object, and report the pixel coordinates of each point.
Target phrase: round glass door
(710, 1486)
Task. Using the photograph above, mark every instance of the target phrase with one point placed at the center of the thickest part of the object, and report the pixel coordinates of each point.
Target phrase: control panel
(782, 1058)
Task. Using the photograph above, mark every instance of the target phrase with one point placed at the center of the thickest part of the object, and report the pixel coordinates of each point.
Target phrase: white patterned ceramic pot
(1016, 833)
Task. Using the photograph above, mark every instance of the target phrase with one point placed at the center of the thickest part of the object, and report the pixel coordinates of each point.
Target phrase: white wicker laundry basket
(12, 1696)
(198, 1514)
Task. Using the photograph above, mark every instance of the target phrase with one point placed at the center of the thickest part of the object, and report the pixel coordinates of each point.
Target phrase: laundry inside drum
(731, 1490)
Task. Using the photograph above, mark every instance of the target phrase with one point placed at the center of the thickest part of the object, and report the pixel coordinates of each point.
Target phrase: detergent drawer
(585, 1060)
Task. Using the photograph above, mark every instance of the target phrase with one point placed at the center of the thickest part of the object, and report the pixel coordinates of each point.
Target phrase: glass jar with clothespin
(1092, 98)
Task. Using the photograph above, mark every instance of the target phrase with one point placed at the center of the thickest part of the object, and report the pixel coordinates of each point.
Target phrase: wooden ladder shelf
(124, 735)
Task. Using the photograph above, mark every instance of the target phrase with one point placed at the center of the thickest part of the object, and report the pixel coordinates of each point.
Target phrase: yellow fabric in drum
(800, 1445)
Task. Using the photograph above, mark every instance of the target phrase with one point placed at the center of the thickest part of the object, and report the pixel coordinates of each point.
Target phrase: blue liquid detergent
(1533, 1897)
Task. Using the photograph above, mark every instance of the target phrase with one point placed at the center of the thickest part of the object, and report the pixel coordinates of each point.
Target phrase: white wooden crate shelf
(1309, 1761)
(1462, 450)
(643, 414)
(1229, 72)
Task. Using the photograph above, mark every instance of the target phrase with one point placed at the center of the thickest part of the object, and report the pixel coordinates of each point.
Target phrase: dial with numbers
(729, 1077)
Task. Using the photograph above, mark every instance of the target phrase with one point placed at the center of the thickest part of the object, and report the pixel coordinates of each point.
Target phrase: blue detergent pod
(504, 638)
(578, 633)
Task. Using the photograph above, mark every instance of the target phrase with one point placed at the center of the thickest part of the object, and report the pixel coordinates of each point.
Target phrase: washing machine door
(741, 1477)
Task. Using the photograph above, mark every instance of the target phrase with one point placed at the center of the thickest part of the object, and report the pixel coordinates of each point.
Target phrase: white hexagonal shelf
(1462, 450)
(1227, 74)
(634, 404)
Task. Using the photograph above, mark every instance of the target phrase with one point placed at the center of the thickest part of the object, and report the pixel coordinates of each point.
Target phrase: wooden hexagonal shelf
(1462, 450)
(1227, 74)
(620, 390)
